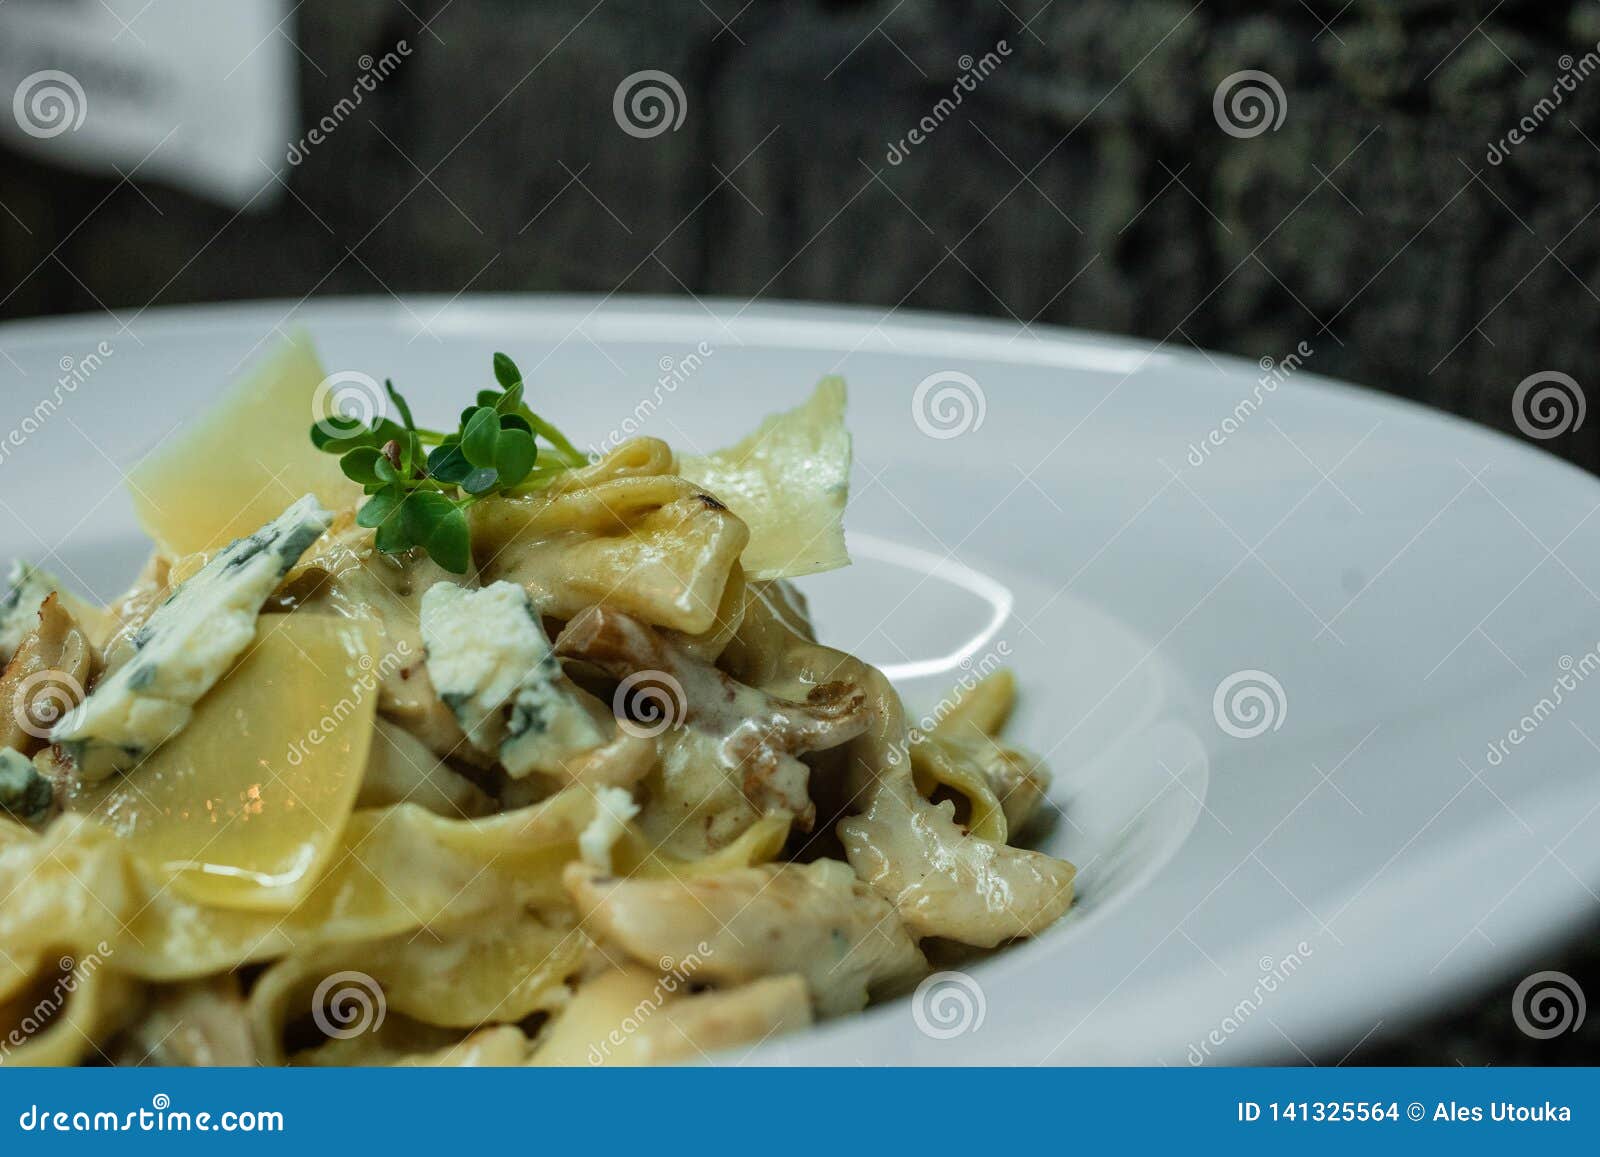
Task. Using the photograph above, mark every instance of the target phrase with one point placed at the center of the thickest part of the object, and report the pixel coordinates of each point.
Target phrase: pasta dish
(465, 746)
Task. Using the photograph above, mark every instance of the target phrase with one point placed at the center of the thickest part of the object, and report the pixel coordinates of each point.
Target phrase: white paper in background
(200, 91)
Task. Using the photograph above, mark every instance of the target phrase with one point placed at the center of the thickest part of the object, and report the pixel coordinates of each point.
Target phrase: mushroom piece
(47, 677)
(759, 736)
(943, 879)
(814, 920)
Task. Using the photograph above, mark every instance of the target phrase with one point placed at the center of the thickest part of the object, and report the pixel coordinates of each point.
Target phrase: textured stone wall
(1084, 181)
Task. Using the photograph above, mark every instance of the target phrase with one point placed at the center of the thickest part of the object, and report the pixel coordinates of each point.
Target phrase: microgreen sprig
(420, 482)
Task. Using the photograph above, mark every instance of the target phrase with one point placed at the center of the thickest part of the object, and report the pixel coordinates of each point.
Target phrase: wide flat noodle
(254, 832)
(657, 547)
(500, 968)
(395, 870)
(815, 920)
(59, 1020)
(634, 1017)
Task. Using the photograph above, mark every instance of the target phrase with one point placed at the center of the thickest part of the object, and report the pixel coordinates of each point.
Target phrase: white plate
(1413, 584)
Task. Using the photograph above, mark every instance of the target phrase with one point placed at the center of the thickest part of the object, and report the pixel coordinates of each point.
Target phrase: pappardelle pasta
(460, 748)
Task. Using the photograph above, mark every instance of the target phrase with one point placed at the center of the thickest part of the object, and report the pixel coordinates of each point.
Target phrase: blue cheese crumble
(189, 643)
(492, 664)
(613, 808)
(26, 589)
(25, 795)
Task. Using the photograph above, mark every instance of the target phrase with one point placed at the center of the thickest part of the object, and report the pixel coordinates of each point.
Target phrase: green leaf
(393, 537)
(336, 429)
(505, 371)
(411, 455)
(421, 512)
(359, 465)
(479, 436)
(510, 402)
(377, 509)
(482, 480)
(448, 464)
(514, 455)
(384, 469)
(450, 544)
(515, 422)
(489, 397)
(399, 404)
(374, 436)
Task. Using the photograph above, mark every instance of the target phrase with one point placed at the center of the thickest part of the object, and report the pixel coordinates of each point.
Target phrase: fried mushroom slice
(47, 677)
(814, 920)
(758, 737)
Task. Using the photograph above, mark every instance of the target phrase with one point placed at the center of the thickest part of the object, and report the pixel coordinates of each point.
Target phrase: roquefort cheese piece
(25, 795)
(493, 666)
(26, 589)
(185, 648)
(613, 808)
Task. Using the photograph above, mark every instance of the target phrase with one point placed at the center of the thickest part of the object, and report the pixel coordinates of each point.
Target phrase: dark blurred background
(1410, 186)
